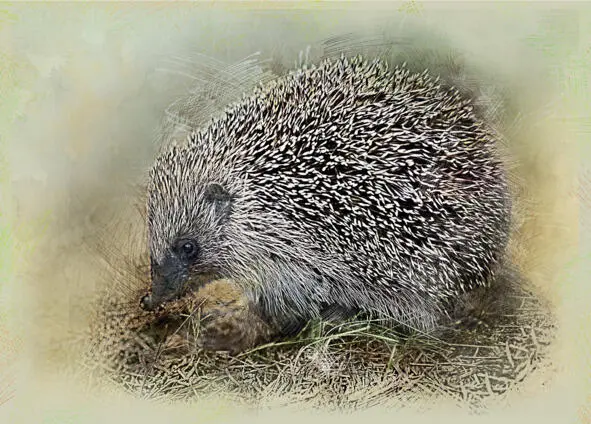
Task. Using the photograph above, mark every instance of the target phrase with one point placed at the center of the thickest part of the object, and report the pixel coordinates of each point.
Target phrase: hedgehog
(343, 188)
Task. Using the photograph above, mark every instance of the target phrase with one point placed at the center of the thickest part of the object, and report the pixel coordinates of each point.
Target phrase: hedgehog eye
(187, 249)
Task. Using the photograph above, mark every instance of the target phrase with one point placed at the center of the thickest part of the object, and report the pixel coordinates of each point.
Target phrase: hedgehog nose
(146, 303)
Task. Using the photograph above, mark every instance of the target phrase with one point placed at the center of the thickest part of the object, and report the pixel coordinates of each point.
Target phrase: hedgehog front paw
(470, 323)
(228, 322)
(223, 330)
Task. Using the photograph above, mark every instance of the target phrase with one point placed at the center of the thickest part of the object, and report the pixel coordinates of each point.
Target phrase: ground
(474, 363)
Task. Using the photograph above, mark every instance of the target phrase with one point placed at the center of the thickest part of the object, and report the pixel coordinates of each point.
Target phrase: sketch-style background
(82, 88)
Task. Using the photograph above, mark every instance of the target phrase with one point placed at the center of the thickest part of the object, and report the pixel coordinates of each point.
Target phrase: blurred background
(84, 91)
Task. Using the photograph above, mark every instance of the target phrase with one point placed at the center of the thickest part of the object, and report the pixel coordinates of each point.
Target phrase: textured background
(83, 86)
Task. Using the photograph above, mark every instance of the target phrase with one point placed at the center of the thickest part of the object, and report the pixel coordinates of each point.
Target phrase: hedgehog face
(186, 217)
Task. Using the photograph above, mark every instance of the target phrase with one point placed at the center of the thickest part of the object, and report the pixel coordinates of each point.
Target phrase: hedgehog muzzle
(168, 282)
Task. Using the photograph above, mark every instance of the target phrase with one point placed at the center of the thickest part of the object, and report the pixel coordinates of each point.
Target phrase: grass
(348, 366)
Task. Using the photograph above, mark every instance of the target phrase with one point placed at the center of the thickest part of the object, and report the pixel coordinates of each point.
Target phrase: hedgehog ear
(217, 195)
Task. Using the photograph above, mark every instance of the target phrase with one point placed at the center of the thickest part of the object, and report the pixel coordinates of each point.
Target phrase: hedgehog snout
(168, 280)
(146, 303)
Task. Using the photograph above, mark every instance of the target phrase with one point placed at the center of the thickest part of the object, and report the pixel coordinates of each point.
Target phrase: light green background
(71, 73)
